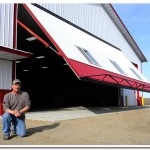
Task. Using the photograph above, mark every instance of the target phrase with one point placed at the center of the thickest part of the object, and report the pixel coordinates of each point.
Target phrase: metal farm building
(70, 55)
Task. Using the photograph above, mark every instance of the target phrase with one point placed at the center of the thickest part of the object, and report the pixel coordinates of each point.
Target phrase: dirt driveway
(125, 128)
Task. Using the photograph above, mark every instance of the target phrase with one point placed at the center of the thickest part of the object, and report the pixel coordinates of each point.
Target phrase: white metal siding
(132, 97)
(5, 74)
(6, 24)
(94, 19)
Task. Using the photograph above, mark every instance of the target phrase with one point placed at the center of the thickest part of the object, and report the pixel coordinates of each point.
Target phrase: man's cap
(16, 81)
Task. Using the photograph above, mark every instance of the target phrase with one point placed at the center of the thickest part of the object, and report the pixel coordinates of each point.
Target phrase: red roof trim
(14, 51)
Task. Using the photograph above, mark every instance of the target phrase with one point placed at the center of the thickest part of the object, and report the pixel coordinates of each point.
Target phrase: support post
(126, 101)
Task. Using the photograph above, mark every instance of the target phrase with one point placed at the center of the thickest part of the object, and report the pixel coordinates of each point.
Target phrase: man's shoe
(13, 131)
(5, 137)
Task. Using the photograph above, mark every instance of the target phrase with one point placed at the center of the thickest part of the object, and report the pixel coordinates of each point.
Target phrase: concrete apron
(77, 112)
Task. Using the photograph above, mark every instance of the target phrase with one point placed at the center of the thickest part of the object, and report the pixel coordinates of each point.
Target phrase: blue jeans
(19, 124)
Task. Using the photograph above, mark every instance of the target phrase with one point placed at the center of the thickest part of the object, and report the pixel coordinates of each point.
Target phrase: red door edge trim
(146, 89)
(94, 73)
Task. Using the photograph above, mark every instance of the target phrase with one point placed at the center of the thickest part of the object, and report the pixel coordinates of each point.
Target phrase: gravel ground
(125, 128)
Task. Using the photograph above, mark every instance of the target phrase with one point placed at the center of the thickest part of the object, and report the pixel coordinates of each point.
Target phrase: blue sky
(136, 18)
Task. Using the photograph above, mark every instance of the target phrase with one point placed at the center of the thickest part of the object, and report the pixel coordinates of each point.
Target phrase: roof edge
(117, 20)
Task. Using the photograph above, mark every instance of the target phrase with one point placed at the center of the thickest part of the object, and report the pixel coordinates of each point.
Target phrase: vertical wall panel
(132, 97)
(6, 24)
(94, 19)
(5, 74)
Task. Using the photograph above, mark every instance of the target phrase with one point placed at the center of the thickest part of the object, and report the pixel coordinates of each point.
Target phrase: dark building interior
(49, 80)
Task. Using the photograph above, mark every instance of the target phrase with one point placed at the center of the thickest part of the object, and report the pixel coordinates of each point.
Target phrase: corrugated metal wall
(86, 16)
(6, 24)
(5, 74)
(94, 19)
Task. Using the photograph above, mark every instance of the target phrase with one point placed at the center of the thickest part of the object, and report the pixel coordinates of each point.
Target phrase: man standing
(15, 104)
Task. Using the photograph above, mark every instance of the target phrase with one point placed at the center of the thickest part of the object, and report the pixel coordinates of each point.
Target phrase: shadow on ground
(31, 131)
(12, 136)
(103, 110)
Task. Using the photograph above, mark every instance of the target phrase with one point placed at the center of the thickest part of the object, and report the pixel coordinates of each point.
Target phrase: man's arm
(25, 109)
(10, 111)
(27, 104)
(6, 105)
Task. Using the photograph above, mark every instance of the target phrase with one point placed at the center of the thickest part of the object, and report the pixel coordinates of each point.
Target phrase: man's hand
(12, 112)
(16, 113)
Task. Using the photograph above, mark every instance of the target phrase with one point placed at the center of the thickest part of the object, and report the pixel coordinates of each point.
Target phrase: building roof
(117, 20)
